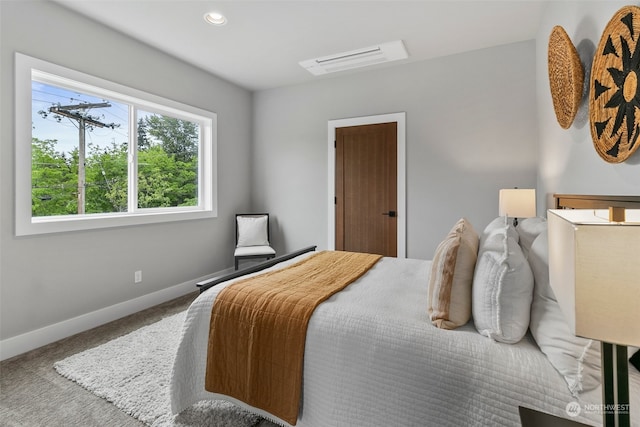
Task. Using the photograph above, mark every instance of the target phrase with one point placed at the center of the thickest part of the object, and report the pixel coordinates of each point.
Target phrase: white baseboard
(19, 344)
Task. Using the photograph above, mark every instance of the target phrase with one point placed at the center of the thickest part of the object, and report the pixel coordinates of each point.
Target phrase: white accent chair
(252, 237)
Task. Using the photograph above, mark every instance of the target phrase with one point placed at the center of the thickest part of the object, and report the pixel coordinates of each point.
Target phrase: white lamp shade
(594, 271)
(517, 202)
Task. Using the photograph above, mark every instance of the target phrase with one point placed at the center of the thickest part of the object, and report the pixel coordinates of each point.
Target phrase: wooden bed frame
(581, 201)
(206, 284)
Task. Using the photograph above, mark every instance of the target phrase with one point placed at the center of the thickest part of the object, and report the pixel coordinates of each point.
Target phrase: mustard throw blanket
(259, 325)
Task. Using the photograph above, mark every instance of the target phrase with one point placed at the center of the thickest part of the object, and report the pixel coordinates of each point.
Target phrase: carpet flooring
(134, 373)
(33, 394)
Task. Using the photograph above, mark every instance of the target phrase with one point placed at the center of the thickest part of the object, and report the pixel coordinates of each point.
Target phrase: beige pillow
(451, 277)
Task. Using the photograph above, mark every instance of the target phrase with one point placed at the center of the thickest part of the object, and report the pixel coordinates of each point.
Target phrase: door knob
(391, 214)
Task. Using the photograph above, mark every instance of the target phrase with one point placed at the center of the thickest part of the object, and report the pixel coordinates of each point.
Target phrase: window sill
(46, 225)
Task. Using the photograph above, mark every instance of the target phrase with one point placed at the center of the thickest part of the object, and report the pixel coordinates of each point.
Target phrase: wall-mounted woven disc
(614, 93)
(566, 76)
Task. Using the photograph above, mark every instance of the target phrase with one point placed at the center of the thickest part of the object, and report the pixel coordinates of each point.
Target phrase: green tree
(164, 181)
(54, 180)
(177, 137)
(167, 171)
(143, 138)
(106, 176)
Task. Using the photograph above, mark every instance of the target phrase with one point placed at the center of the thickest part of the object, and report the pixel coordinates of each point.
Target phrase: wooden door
(366, 189)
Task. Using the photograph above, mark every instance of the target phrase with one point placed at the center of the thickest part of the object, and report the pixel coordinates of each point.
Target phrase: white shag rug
(133, 372)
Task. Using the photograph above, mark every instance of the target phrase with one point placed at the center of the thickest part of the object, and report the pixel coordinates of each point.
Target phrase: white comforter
(372, 358)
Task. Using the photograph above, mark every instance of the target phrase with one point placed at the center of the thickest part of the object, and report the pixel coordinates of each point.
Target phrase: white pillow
(528, 229)
(502, 288)
(252, 231)
(499, 224)
(577, 359)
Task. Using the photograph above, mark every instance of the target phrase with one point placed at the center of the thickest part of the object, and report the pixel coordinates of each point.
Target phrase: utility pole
(71, 111)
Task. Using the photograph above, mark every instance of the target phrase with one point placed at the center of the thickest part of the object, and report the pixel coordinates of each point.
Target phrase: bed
(373, 356)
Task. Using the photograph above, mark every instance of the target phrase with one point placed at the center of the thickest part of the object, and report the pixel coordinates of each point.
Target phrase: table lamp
(594, 271)
(517, 203)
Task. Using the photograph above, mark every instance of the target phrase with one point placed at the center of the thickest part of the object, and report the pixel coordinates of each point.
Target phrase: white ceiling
(263, 41)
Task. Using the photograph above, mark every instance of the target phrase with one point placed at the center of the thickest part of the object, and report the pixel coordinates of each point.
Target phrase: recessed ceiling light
(215, 18)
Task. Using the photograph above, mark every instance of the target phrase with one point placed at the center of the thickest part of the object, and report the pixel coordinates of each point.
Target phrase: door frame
(400, 119)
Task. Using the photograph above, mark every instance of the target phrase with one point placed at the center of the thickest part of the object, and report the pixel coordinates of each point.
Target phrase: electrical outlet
(137, 276)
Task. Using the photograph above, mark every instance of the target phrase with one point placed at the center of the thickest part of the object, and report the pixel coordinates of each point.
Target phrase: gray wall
(568, 160)
(476, 122)
(51, 278)
(471, 130)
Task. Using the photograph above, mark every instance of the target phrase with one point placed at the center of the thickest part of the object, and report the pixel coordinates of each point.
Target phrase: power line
(73, 112)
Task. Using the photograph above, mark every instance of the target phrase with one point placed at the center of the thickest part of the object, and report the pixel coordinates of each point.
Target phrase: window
(93, 154)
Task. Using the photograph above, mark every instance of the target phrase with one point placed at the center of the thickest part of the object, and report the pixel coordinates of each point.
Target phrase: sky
(66, 130)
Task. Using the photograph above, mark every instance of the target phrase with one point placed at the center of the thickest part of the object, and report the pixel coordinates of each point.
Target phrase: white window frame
(28, 67)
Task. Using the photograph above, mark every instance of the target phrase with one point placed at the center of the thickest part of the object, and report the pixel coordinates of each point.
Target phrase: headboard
(581, 201)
